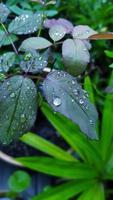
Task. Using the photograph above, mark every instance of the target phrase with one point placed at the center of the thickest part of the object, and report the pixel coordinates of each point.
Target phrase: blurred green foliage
(97, 14)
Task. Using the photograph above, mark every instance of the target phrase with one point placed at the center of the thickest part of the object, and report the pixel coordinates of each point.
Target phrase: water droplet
(75, 91)
(7, 117)
(12, 95)
(56, 33)
(85, 93)
(91, 121)
(85, 49)
(57, 101)
(81, 101)
(4, 96)
(40, 58)
(22, 118)
(8, 83)
(84, 97)
(87, 107)
(87, 31)
(28, 87)
(73, 82)
(4, 143)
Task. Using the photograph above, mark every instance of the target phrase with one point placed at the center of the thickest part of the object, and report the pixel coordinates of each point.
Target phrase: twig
(9, 159)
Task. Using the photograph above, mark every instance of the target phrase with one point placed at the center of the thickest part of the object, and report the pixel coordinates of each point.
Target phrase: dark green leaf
(6, 40)
(107, 122)
(12, 2)
(59, 168)
(34, 62)
(18, 107)
(75, 56)
(18, 11)
(19, 181)
(66, 96)
(6, 61)
(25, 24)
(4, 12)
(2, 33)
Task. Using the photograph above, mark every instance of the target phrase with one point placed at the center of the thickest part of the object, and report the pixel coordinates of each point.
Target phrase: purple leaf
(75, 56)
(63, 22)
(82, 32)
(57, 32)
(87, 44)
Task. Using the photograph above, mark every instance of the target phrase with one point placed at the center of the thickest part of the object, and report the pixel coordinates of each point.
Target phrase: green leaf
(109, 166)
(58, 168)
(25, 24)
(45, 146)
(71, 133)
(51, 13)
(109, 53)
(66, 96)
(107, 123)
(111, 66)
(34, 62)
(2, 33)
(57, 32)
(5, 40)
(12, 2)
(18, 107)
(89, 88)
(4, 12)
(18, 11)
(75, 56)
(6, 61)
(95, 193)
(82, 32)
(35, 43)
(65, 191)
(19, 181)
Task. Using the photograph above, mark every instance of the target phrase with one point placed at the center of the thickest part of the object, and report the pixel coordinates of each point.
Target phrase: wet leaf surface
(66, 96)
(34, 62)
(18, 107)
(75, 56)
(25, 24)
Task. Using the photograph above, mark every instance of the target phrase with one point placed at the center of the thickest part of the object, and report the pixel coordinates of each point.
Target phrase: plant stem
(27, 75)
(7, 33)
(44, 16)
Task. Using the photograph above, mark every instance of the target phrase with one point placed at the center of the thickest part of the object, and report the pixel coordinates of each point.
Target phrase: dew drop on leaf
(57, 101)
